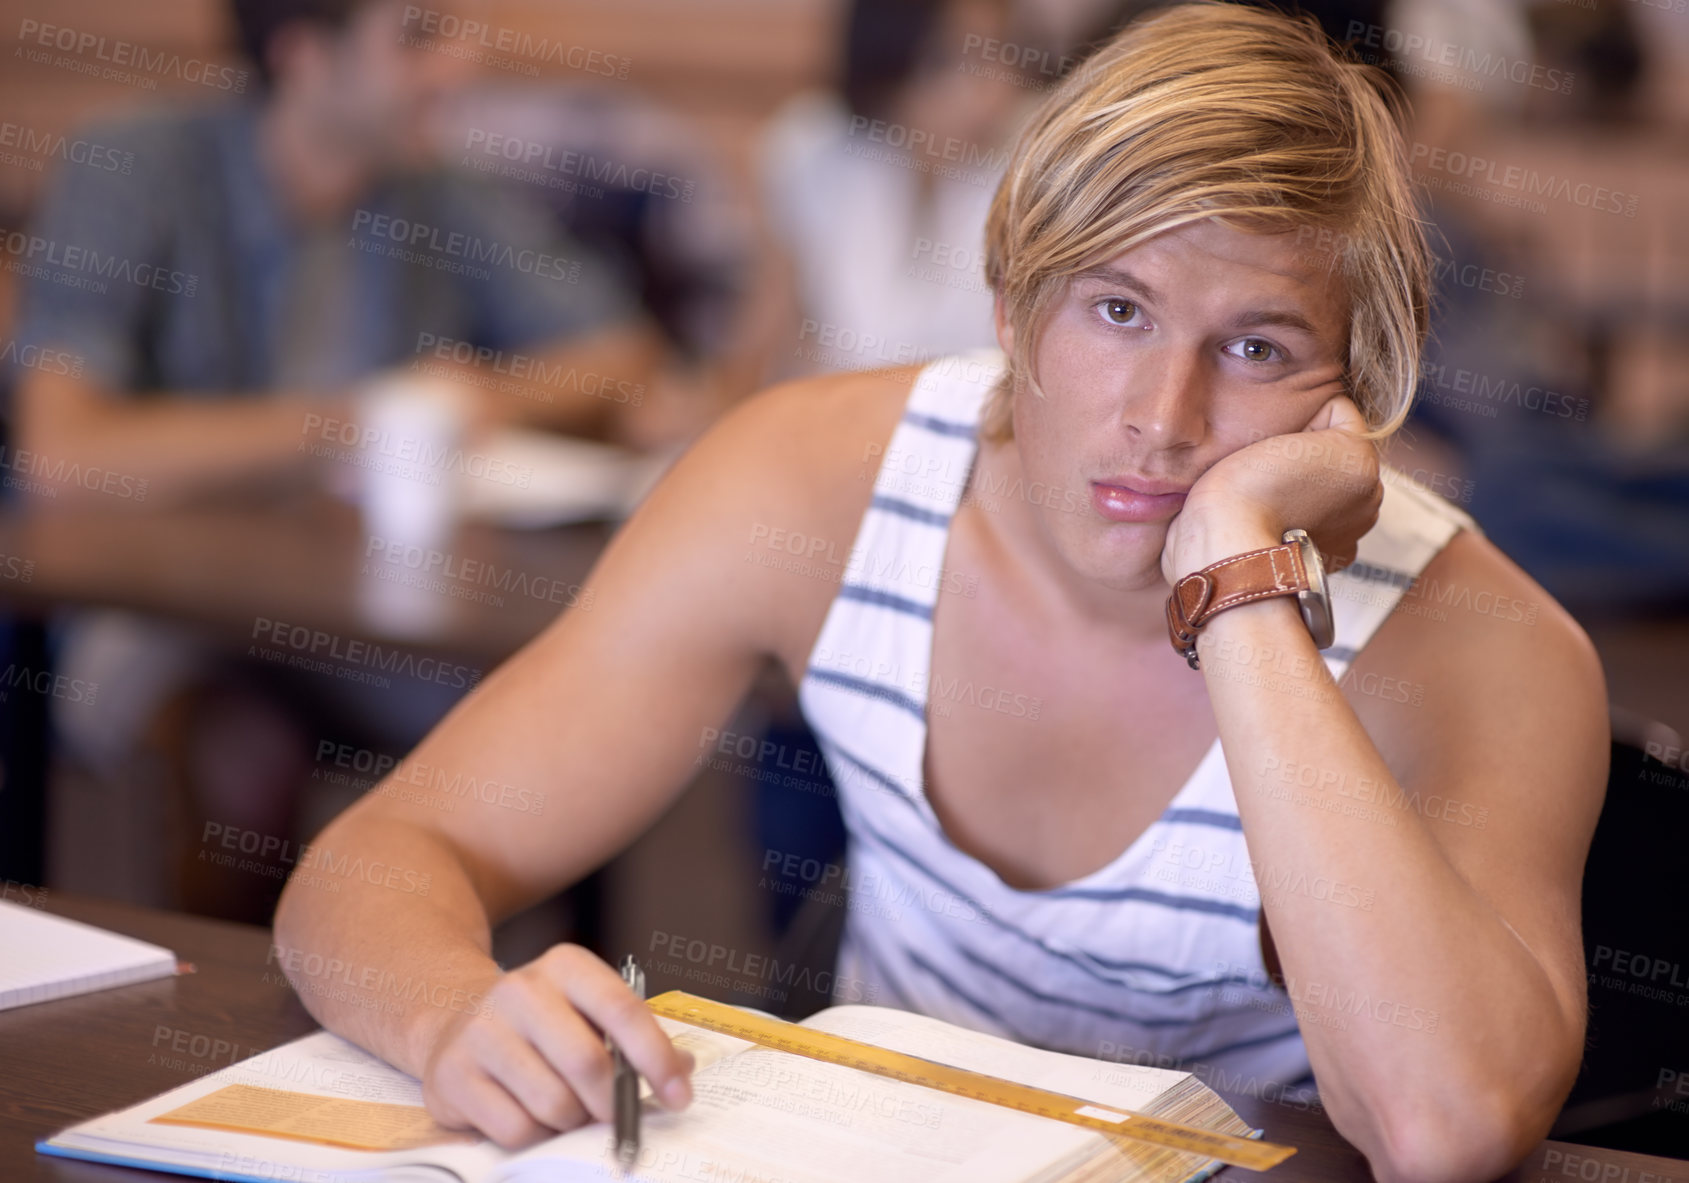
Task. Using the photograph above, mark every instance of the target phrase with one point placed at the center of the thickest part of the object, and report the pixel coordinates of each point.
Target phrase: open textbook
(758, 1116)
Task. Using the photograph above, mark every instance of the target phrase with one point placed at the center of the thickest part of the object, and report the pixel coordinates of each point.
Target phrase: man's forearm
(177, 446)
(384, 937)
(582, 386)
(1412, 993)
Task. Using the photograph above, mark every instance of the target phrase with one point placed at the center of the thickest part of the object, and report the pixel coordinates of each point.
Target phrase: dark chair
(1636, 953)
(811, 944)
(25, 724)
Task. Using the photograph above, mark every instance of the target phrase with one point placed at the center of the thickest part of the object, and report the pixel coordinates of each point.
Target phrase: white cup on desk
(410, 497)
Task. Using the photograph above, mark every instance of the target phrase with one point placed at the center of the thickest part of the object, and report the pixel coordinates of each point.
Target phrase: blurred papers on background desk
(558, 480)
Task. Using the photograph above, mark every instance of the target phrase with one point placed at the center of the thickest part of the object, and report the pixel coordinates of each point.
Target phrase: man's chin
(1144, 579)
(1122, 568)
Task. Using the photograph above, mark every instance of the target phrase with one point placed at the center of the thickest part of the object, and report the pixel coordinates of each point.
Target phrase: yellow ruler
(836, 1049)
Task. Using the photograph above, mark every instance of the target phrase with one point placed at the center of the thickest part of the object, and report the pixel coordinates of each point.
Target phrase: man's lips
(1137, 499)
(1143, 485)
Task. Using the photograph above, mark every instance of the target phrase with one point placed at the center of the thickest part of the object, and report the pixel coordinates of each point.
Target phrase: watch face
(1316, 601)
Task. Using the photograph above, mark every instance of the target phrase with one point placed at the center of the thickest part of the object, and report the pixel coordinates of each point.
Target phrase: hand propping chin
(1323, 479)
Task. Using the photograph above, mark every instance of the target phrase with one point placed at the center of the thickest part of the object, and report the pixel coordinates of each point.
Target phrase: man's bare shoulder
(825, 418)
(808, 448)
(1480, 668)
(1473, 612)
(765, 507)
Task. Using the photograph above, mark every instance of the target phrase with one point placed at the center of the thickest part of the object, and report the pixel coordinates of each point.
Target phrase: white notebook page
(43, 957)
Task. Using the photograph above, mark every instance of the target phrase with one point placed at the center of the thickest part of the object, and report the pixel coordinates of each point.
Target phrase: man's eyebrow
(1285, 317)
(1274, 316)
(1125, 279)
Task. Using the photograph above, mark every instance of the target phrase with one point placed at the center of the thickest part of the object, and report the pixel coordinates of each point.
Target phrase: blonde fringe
(1214, 110)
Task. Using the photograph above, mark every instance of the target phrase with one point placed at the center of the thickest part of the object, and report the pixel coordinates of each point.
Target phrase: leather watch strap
(1253, 575)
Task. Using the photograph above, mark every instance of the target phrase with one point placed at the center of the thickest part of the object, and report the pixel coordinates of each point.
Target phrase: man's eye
(1119, 312)
(1253, 349)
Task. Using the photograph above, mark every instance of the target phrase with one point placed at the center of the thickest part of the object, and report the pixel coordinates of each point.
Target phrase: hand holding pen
(529, 1059)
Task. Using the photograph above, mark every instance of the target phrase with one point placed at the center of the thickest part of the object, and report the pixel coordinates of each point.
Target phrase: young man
(268, 293)
(266, 224)
(1210, 292)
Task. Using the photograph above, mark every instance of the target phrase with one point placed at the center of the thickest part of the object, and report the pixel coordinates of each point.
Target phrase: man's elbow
(1468, 1136)
(293, 915)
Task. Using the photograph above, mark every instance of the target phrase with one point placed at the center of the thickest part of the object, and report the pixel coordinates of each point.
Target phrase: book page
(767, 1117)
(319, 1065)
(202, 1120)
(762, 1116)
(1172, 1095)
(1127, 1086)
(759, 1116)
(706, 1046)
(310, 1117)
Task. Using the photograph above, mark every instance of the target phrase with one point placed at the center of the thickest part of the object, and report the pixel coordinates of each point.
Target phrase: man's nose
(1167, 402)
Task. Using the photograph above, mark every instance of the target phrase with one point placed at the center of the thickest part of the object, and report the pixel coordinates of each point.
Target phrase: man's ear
(1005, 330)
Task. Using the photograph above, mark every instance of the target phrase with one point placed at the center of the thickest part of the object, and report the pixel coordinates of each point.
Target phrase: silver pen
(626, 1084)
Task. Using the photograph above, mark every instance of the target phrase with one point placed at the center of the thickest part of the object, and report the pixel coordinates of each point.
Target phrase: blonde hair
(1214, 110)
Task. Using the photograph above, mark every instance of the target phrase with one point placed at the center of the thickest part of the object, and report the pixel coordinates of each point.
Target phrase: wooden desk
(63, 1062)
(227, 568)
(66, 1061)
(304, 562)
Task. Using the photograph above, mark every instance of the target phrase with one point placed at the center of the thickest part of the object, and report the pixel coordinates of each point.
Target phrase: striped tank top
(1153, 958)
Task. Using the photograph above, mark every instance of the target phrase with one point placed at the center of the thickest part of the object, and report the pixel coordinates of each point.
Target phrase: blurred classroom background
(327, 375)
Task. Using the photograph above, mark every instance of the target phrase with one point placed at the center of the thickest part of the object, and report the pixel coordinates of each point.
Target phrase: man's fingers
(1339, 412)
(574, 1050)
(490, 1108)
(598, 993)
(545, 1094)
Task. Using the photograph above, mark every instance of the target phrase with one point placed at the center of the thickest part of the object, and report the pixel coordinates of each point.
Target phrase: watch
(1294, 567)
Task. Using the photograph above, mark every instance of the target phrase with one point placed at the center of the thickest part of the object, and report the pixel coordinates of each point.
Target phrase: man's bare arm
(178, 446)
(1435, 969)
(183, 446)
(591, 386)
(1440, 988)
(600, 717)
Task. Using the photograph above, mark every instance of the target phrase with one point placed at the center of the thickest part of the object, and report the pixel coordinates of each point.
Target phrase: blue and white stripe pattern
(1157, 952)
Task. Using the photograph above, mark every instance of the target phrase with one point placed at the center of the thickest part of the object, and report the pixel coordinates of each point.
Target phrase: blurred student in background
(296, 245)
(639, 183)
(1551, 407)
(312, 245)
(876, 194)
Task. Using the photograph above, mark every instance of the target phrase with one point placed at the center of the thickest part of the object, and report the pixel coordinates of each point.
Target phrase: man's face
(374, 92)
(1154, 366)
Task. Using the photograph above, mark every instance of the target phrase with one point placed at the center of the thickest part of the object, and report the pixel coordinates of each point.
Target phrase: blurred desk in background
(296, 581)
(226, 568)
(480, 597)
(1590, 223)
